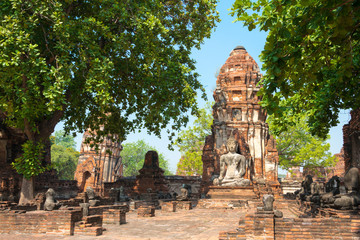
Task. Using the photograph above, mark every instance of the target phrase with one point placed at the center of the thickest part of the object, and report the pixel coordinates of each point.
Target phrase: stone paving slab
(198, 224)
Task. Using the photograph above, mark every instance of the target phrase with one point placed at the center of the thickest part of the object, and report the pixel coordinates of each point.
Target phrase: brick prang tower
(237, 111)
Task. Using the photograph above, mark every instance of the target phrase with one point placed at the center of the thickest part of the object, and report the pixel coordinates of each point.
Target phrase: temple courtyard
(193, 224)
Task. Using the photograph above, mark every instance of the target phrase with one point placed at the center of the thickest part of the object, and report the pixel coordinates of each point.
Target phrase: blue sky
(210, 58)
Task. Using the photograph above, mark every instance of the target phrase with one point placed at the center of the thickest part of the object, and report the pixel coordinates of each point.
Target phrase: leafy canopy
(64, 140)
(30, 162)
(133, 157)
(191, 142)
(297, 147)
(311, 58)
(77, 61)
(64, 157)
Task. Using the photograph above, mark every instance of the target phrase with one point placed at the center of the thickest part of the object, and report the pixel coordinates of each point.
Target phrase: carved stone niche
(237, 114)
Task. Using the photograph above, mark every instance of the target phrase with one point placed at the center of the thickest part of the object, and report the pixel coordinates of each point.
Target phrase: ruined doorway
(86, 181)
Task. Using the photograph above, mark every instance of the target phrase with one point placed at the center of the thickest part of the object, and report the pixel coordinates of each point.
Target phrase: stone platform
(238, 193)
(229, 197)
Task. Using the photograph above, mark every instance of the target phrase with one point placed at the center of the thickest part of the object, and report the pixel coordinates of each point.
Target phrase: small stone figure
(50, 203)
(333, 185)
(232, 167)
(122, 195)
(317, 190)
(305, 188)
(185, 193)
(278, 214)
(351, 200)
(39, 200)
(85, 209)
(91, 196)
(268, 201)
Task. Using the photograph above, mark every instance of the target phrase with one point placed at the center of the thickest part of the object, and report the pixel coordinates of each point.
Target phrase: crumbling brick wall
(61, 221)
(316, 228)
(351, 135)
(174, 183)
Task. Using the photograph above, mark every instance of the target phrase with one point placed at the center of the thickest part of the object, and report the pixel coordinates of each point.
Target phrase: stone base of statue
(236, 182)
(225, 192)
(229, 197)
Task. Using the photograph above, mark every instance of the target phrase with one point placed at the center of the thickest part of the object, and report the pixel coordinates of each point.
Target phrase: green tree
(64, 157)
(64, 140)
(311, 58)
(297, 147)
(65, 161)
(78, 61)
(133, 156)
(191, 142)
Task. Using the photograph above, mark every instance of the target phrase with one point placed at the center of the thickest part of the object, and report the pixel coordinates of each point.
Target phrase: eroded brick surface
(351, 134)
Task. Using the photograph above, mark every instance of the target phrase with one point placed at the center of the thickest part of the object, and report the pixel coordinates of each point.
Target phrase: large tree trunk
(27, 191)
(45, 128)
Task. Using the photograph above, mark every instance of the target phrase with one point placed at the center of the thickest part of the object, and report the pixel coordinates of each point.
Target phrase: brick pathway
(199, 224)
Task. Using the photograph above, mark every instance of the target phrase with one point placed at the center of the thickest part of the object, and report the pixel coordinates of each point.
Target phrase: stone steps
(90, 225)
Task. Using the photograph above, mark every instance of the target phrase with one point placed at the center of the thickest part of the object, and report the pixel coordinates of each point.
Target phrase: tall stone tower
(96, 167)
(237, 111)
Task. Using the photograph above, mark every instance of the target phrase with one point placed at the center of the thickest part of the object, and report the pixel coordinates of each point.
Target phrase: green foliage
(311, 58)
(61, 139)
(77, 61)
(30, 163)
(297, 147)
(191, 142)
(64, 157)
(133, 156)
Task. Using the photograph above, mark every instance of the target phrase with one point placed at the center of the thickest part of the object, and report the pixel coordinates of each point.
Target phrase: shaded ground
(194, 224)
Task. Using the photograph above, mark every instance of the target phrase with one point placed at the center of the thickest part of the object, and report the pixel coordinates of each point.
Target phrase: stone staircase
(90, 225)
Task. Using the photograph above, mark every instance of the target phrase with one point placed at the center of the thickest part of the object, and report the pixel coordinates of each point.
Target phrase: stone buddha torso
(232, 167)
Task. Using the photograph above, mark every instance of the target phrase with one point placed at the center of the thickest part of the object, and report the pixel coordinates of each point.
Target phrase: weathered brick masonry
(317, 228)
(266, 226)
(66, 222)
(61, 221)
(351, 134)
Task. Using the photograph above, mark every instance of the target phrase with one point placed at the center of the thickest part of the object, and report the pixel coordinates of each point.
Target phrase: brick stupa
(237, 111)
(151, 176)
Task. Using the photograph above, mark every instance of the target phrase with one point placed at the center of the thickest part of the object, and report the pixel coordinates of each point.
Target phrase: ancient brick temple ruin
(351, 134)
(237, 112)
(11, 140)
(10, 148)
(98, 166)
